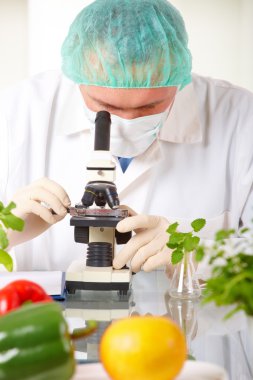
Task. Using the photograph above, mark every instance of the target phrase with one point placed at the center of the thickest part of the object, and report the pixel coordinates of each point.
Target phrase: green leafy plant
(184, 242)
(231, 281)
(231, 260)
(8, 220)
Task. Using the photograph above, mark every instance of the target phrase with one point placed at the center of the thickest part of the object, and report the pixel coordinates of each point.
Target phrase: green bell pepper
(35, 343)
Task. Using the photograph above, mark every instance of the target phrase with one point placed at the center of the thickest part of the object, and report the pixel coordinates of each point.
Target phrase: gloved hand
(147, 249)
(34, 204)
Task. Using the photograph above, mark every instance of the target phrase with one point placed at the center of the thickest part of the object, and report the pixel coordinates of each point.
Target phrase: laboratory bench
(209, 337)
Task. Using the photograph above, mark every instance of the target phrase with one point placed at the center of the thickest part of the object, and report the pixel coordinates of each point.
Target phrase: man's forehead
(129, 98)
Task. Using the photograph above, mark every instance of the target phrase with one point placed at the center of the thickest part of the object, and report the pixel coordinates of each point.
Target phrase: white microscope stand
(96, 278)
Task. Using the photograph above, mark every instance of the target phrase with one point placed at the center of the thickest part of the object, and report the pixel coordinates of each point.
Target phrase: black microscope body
(95, 219)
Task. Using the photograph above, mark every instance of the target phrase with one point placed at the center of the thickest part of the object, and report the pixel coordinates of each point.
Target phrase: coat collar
(181, 126)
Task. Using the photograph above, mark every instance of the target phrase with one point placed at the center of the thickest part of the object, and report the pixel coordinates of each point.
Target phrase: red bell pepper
(19, 292)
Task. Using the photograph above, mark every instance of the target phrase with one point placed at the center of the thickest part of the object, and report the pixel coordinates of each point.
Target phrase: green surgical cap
(128, 44)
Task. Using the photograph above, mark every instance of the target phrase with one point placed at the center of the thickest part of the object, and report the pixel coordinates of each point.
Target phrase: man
(187, 139)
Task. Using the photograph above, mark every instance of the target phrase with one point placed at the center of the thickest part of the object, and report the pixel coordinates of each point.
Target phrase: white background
(220, 34)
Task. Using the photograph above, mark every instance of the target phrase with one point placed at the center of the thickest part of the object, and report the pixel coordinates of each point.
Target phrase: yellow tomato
(143, 348)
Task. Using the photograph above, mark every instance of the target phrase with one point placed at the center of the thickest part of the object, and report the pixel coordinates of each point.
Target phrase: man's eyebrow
(120, 108)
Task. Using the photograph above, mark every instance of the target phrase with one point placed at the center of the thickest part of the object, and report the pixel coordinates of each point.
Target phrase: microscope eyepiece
(102, 131)
(104, 115)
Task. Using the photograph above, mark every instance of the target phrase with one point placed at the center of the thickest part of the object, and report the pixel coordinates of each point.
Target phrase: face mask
(130, 138)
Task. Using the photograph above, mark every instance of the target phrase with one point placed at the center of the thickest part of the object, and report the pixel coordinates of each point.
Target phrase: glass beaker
(184, 283)
(184, 313)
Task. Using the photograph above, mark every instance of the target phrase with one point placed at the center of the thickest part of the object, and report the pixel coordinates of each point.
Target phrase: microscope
(95, 219)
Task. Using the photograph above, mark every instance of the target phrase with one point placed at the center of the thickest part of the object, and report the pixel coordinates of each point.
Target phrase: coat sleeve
(4, 168)
(244, 168)
(4, 153)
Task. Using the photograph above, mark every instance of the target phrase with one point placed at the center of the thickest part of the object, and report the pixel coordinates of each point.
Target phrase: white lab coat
(201, 165)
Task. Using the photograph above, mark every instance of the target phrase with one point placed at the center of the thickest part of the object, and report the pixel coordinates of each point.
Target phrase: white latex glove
(147, 249)
(34, 204)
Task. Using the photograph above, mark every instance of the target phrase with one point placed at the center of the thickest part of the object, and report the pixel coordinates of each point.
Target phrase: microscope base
(72, 286)
(96, 278)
